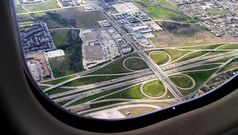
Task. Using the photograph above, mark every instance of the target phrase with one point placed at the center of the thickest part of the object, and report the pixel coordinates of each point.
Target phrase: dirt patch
(178, 34)
(166, 39)
(135, 111)
(163, 104)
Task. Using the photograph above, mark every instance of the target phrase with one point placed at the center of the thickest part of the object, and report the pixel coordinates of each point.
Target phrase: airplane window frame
(107, 126)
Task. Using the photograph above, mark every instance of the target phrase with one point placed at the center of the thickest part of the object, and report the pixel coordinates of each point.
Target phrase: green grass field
(167, 5)
(89, 80)
(25, 23)
(154, 88)
(56, 90)
(115, 67)
(212, 46)
(135, 64)
(58, 80)
(181, 81)
(94, 96)
(175, 54)
(229, 46)
(49, 4)
(231, 65)
(204, 67)
(130, 93)
(70, 42)
(159, 58)
(192, 55)
(200, 77)
(19, 9)
(60, 66)
(60, 37)
(222, 60)
(133, 93)
(235, 60)
(162, 9)
(53, 19)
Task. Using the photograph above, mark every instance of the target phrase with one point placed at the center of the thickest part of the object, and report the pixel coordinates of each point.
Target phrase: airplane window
(118, 59)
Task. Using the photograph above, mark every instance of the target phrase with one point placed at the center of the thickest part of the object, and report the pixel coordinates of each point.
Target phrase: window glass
(115, 59)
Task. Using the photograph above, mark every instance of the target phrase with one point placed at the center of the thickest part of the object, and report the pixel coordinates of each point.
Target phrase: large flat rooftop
(125, 7)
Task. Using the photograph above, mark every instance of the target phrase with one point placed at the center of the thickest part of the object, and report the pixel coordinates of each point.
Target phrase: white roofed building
(126, 7)
(55, 53)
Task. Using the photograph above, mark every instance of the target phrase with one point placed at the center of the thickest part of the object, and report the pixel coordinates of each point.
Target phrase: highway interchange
(123, 81)
(75, 93)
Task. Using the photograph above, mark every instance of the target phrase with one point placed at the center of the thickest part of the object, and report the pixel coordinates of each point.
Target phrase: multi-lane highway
(160, 72)
(101, 84)
(161, 75)
(77, 91)
(153, 66)
(177, 67)
(79, 96)
(196, 60)
(78, 75)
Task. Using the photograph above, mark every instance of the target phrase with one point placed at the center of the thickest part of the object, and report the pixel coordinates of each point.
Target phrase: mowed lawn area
(154, 88)
(159, 57)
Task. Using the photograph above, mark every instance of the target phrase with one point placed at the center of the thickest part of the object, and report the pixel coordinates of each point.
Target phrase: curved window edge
(108, 126)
